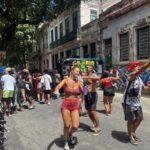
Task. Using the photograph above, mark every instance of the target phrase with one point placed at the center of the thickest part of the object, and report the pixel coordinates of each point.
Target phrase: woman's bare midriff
(72, 96)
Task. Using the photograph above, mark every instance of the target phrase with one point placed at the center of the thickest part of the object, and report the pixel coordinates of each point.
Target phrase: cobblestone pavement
(41, 129)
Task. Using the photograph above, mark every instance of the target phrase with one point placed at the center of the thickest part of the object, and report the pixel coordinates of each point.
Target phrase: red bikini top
(107, 82)
(72, 91)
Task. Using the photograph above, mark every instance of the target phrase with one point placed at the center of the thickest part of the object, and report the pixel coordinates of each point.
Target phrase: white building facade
(126, 33)
(64, 38)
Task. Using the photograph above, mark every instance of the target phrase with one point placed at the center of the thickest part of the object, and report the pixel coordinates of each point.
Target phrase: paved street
(41, 129)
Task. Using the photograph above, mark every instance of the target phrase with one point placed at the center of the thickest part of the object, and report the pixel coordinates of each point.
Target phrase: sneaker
(73, 140)
(48, 103)
(66, 146)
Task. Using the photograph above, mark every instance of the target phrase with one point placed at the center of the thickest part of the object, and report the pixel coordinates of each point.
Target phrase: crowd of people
(79, 89)
(19, 87)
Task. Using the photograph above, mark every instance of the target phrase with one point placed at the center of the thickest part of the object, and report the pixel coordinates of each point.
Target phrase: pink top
(70, 91)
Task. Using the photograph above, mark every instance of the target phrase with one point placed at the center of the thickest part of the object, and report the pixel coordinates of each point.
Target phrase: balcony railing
(69, 37)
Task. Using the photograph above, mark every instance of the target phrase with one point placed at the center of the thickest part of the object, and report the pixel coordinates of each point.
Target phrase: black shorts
(47, 91)
(109, 92)
(91, 101)
(132, 113)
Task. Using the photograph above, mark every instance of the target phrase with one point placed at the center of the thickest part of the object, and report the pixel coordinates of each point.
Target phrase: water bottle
(85, 90)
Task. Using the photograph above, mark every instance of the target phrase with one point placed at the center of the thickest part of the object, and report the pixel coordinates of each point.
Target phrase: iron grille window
(143, 43)
(93, 15)
(124, 47)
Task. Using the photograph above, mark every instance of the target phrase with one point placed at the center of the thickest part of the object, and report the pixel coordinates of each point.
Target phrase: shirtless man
(91, 99)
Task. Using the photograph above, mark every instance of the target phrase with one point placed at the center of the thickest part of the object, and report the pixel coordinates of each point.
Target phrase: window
(143, 43)
(75, 20)
(68, 54)
(52, 36)
(108, 53)
(85, 51)
(93, 50)
(76, 53)
(56, 59)
(61, 29)
(53, 61)
(124, 47)
(47, 63)
(93, 15)
(67, 28)
(62, 55)
(56, 33)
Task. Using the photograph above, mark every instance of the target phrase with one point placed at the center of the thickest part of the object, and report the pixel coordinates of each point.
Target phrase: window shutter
(124, 47)
(143, 43)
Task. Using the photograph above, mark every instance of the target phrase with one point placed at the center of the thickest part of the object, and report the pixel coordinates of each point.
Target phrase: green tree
(22, 46)
(16, 12)
(17, 16)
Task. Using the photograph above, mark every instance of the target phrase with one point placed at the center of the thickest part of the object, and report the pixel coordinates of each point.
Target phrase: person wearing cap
(8, 82)
(132, 105)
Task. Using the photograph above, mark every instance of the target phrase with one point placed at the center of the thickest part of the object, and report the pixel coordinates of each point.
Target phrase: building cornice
(120, 9)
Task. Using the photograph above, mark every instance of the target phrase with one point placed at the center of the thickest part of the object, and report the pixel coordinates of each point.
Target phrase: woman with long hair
(70, 105)
(27, 79)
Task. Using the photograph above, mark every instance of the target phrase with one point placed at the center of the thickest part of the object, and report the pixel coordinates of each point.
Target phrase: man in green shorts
(8, 82)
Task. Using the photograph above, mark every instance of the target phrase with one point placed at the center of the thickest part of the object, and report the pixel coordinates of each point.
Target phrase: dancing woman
(70, 105)
(108, 91)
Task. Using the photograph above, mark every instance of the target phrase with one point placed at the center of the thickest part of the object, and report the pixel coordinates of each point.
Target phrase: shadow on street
(83, 127)
(58, 141)
(101, 111)
(120, 136)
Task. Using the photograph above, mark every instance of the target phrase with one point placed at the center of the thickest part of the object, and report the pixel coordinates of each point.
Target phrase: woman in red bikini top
(70, 105)
(108, 91)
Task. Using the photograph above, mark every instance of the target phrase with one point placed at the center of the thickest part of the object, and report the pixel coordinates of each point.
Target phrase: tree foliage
(14, 14)
(24, 41)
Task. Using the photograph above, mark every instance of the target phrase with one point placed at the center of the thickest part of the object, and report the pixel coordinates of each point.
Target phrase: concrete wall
(127, 22)
(108, 3)
(85, 9)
